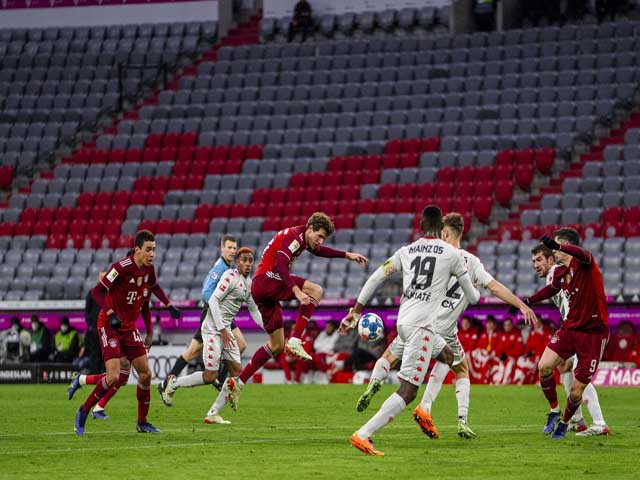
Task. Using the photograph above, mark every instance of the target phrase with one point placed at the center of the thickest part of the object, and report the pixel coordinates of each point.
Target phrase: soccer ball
(370, 327)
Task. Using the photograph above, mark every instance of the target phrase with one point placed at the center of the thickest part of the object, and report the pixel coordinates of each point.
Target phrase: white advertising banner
(284, 8)
(96, 15)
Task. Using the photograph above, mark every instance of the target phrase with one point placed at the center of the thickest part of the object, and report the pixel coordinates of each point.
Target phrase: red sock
(98, 392)
(570, 409)
(124, 378)
(93, 379)
(304, 315)
(144, 399)
(548, 385)
(262, 356)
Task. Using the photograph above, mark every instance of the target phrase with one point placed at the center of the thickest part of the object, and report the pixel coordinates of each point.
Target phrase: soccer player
(219, 343)
(273, 283)
(544, 264)
(427, 265)
(123, 294)
(446, 325)
(583, 333)
(228, 248)
(98, 412)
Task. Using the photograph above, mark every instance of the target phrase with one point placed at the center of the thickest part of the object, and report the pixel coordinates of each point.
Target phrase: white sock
(82, 379)
(389, 410)
(591, 400)
(220, 401)
(567, 380)
(438, 374)
(192, 380)
(380, 370)
(463, 390)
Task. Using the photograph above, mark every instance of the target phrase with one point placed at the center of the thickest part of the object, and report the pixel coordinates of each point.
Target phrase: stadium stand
(250, 138)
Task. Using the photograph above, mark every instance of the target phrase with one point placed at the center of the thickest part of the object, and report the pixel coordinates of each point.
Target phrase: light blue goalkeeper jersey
(213, 277)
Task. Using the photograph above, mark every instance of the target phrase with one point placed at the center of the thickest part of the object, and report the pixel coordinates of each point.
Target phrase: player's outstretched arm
(579, 253)
(356, 257)
(498, 290)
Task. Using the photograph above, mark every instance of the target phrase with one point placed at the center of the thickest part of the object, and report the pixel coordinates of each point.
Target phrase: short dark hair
(455, 222)
(321, 220)
(144, 236)
(130, 252)
(543, 249)
(431, 220)
(569, 234)
(228, 238)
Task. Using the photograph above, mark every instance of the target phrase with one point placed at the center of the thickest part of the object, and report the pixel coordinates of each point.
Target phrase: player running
(219, 344)
(77, 381)
(545, 266)
(273, 283)
(123, 294)
(228, 248)
(446, 325)
(427, 265)
(585, 330)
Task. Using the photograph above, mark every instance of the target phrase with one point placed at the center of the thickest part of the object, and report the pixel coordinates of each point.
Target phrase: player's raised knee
(544, 369)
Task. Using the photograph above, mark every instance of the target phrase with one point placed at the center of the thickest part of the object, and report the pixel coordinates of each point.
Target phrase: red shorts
(587, 347)
(267, 293)
(121, 344)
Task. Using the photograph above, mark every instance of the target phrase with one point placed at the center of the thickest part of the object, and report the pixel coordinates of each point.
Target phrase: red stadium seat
(258, 209)
(505, 158)
(29, 215)
(81, 214)
(138, 197)
(177, 183)
(544, 160)
(164, 227)
(525, 157)
(613, 214)
(125, 241)
(187, 154)
(386, 205)
(41, 228)
(104, 199)
(504, 172)
(393, 146)
(367, 205)
(200, 225)
(344, 207)
(485, 174)
(391, 160)
(482, 208)
(277, 195)
(593, 230)
(77, 228)
(254, 152)
(232, 167)
(122, 198)
(484, 189)
(151, 155)
(531, 232)
(221, 211)
(159, 183)
(63, 214)
(183, 168)
(370, 176)
(387, 190)
(270, 223)
(260, 195)
(405, 205)
(431, 144)
(463, 205)
(168, 154)
(155, 198)
(336, 164)
(632, 214)
(237, 153)
(99, 214)
(524, 176)
(413, 145)
(465, 174)
(444, 190)
(112, 227)
(133, 155)
(446, 174)
(56, 241)
(154, 140)
(118, 213)
(60, 227)
(85, 199)
(612, 229)
(117, 156)
(631, 229)
(142, 184)
(198, 169)
(99, 156)
(504, 192)
(238, 211)
(345, 221)
(182, 226)
(189, 139)
(147, 225)
(406, 190)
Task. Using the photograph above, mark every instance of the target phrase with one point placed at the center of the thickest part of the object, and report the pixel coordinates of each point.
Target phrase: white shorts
(397, 346)
(418, 347)
(213, 351)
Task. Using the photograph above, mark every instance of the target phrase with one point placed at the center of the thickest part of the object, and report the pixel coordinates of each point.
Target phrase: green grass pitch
(302, 432)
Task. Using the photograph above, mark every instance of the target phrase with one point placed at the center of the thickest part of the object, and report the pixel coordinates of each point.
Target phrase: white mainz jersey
(224, 304)
(560, 300)
(427, 265)
(456, 302)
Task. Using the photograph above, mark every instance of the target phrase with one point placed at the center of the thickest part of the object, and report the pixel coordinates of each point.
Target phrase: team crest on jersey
(139, 281)
(132, 281)
(295, 245)
(145, 293)
(112, 343)
(554, 339)
(112, 275)
(214, 275)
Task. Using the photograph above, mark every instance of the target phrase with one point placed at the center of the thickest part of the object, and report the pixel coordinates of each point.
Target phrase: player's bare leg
(548, 362)
(565, 369)
(108, 380)
(380, 372)
(224, 372)
(294, 344)
(270, 349)
(213, 415)
(141, 365)
(193, 351)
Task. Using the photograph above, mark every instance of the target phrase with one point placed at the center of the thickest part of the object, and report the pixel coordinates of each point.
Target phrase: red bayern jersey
(468, 339)
(129, 288)
(289, 242)
(582, 283)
